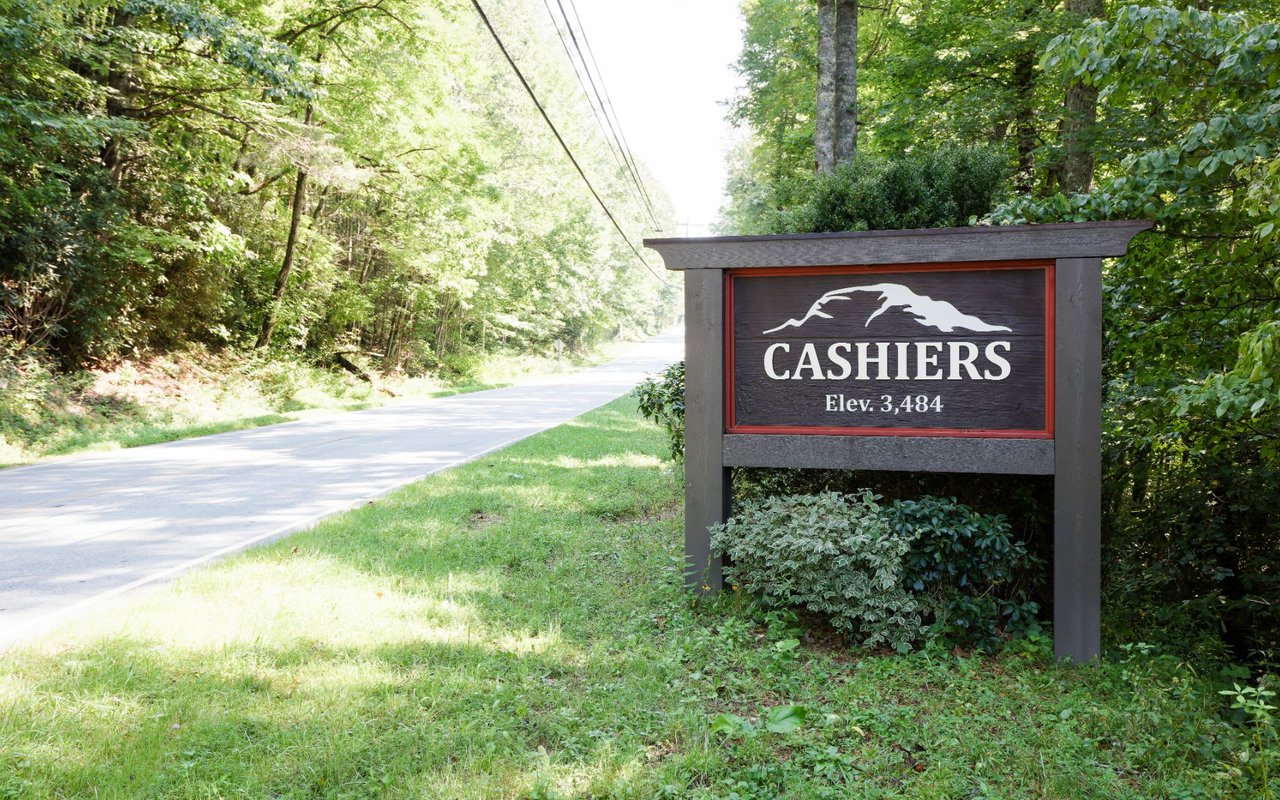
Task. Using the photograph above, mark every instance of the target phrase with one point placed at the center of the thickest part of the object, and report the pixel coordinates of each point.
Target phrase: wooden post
(1077, 484)
(706, 497)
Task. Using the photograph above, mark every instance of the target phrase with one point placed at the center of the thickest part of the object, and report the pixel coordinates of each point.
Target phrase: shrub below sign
(831, 554)
(928, 569)
(971, 569)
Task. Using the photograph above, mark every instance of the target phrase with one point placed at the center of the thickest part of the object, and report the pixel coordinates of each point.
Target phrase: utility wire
(534, 97)
(618, 158)
(631, 166)
(625, 144)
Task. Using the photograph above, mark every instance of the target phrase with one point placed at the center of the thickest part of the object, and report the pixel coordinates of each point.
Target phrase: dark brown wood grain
(1075, 239)
(891, 453)
(706, 499)
(1077, 489)
(955, 400)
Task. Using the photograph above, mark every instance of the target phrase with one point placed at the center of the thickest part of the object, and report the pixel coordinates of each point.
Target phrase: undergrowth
(164, 397)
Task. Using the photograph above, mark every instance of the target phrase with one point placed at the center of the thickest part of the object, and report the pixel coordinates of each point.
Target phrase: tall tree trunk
(824, 128)
(393, 335)
(1024, 129)
(119, 81)
(290, 247)
(846, 80)
(442, 326)
(1081, 109)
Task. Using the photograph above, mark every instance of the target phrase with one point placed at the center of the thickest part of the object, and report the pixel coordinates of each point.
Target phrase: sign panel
(905, 350)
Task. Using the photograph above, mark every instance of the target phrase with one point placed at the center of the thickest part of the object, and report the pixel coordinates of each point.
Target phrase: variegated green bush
(830, 554)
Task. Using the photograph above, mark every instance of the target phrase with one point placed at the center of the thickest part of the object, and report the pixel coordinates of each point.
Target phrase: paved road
(76, 531)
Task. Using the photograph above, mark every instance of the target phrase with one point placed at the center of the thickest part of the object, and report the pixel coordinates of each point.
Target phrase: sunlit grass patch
(620, 460)
(298, 596)
(399, 640)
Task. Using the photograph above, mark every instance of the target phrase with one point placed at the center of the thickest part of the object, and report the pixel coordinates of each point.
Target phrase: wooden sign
(973, 350)
(926, 350)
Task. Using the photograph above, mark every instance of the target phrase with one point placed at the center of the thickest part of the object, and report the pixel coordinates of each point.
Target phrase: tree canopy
(1096, 111)
(311, 175)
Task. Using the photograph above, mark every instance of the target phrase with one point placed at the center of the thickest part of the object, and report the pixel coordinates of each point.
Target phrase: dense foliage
(661, 399)
(1193, 423)
(829, 554)
(1096, 111)
(926, 570)
(311, 176)
(925, 189)
(973, 572)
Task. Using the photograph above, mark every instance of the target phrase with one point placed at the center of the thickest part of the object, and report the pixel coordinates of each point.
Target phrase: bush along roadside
(975, 575)
(661, 400)
(897, 575)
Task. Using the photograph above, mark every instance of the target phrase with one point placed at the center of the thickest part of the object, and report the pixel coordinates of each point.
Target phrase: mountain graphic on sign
(931, 313)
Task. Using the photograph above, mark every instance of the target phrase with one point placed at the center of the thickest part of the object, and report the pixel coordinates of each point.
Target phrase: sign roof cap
(920, 246)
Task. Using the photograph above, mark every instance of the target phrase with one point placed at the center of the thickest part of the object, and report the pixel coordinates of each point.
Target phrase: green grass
(515, 628)
(147, 429)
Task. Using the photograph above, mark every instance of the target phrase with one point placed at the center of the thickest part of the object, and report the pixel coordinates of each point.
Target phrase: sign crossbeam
(973, 350)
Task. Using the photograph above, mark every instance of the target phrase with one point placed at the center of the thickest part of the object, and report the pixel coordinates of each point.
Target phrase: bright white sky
(666, 66)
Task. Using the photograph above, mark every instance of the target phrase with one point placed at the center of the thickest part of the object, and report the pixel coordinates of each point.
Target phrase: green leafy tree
(1191, 115)
(321, 177)
(1100, 111)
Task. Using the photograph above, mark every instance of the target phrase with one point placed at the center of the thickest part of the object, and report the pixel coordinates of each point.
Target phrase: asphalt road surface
(80, 530)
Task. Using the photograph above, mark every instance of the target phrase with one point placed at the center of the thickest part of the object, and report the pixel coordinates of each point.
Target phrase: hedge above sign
(931, 349)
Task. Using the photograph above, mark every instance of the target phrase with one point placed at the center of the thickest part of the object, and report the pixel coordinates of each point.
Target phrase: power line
(604, 108)
(618, 158)
(606, 104)
(534, 97)
(622, 136)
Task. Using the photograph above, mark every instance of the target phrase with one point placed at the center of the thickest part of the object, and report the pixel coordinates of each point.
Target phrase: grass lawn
(515, 628)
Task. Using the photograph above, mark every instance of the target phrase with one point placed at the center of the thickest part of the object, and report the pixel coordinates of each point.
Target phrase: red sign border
(1046, 432)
